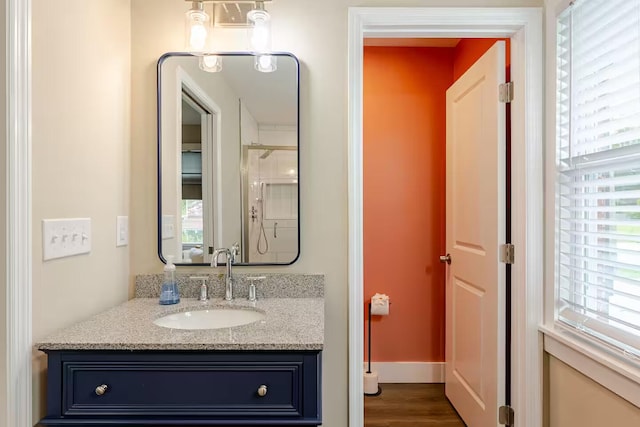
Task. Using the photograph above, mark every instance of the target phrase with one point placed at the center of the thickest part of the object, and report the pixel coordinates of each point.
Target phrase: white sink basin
(209, 319)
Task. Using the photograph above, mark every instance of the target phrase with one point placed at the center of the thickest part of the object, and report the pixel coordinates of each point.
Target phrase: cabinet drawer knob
(262, 390)
(101, 389)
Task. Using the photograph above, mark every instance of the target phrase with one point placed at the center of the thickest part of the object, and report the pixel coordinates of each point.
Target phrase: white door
(475, 279)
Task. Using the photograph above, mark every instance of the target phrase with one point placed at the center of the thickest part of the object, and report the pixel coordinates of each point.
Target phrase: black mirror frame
(161, 60)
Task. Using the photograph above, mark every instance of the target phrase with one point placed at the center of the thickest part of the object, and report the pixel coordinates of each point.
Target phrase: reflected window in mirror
(228, 159)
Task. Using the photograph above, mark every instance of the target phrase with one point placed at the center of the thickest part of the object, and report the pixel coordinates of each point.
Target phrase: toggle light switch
(65, 237)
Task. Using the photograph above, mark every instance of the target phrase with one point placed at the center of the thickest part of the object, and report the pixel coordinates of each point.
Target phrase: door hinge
(507, 253)
(506, 92)
(506, 415)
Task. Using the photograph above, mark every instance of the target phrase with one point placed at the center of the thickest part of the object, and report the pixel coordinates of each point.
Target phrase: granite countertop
(289, 324)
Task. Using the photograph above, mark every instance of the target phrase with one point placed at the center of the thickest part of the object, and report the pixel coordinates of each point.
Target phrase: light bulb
(265, 63)
(198, 36)
(196, 28)
(211, 63)
(259, 30)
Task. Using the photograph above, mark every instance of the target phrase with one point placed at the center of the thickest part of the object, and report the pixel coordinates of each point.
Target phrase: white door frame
(18, 244)
(211, 160)
(524, 27)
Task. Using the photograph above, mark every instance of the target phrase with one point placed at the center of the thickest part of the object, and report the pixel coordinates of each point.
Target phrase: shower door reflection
(270, 203)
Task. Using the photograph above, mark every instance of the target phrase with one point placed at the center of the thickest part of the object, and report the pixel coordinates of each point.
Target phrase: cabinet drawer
(168, 388)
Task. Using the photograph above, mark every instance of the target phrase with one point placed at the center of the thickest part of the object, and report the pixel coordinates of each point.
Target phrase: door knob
(445, 258)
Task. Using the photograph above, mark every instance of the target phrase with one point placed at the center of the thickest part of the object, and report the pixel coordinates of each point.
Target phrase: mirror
(228, 159)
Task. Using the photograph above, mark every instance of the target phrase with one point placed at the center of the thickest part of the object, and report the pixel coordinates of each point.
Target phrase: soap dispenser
(169, 293)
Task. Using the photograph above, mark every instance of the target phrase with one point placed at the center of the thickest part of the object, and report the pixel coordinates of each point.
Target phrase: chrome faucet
(228, 277)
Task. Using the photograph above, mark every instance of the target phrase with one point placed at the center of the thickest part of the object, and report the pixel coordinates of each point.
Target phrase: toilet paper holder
(379, 391)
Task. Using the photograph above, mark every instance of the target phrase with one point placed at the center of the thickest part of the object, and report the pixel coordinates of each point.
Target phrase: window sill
(601, 366)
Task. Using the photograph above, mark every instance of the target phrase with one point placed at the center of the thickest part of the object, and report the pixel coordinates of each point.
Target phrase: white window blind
(598, 171)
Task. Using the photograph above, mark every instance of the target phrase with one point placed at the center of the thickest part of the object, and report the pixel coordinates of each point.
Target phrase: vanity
(119, 368)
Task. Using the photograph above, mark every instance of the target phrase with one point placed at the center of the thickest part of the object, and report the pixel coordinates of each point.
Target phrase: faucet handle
(235, 251)
(204, 291)
(252, 286)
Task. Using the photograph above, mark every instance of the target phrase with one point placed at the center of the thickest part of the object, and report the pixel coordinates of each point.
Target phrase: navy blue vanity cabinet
(182, 388)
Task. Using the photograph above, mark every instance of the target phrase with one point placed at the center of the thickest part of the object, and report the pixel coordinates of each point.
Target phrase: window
(192, 223)
(598, 171)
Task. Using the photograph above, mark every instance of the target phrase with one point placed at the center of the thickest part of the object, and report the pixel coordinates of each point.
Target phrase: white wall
(316, 32)
(81, 144)
(171, 161)
(278, 135)
(3, 219)
(248, 127)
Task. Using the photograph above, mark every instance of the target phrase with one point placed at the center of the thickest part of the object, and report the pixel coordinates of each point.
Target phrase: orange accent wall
(404, 197)
(468, 51)
(404, 192)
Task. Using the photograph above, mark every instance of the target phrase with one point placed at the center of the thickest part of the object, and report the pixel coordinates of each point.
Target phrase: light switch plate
(122, 231)
(65, 237)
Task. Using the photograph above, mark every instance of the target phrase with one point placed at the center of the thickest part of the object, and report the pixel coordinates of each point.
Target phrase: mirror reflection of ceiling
(278, 110)
(407, 42)
(241, 77)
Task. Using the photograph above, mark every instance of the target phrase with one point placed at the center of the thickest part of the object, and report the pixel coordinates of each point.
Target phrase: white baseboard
(408, 372)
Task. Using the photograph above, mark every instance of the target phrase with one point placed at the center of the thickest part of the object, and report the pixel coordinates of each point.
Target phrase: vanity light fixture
(197, 27)
(249, 14)
(259, 22)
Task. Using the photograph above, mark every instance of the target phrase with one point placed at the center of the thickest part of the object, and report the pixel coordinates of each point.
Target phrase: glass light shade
(266, 63)
(259, 30)
(210, 63)
(197, 29)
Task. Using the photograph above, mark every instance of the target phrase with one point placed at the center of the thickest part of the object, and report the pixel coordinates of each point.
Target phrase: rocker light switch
(122, 231)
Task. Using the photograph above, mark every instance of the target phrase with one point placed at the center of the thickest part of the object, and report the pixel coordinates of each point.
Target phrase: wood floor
(410, 405)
